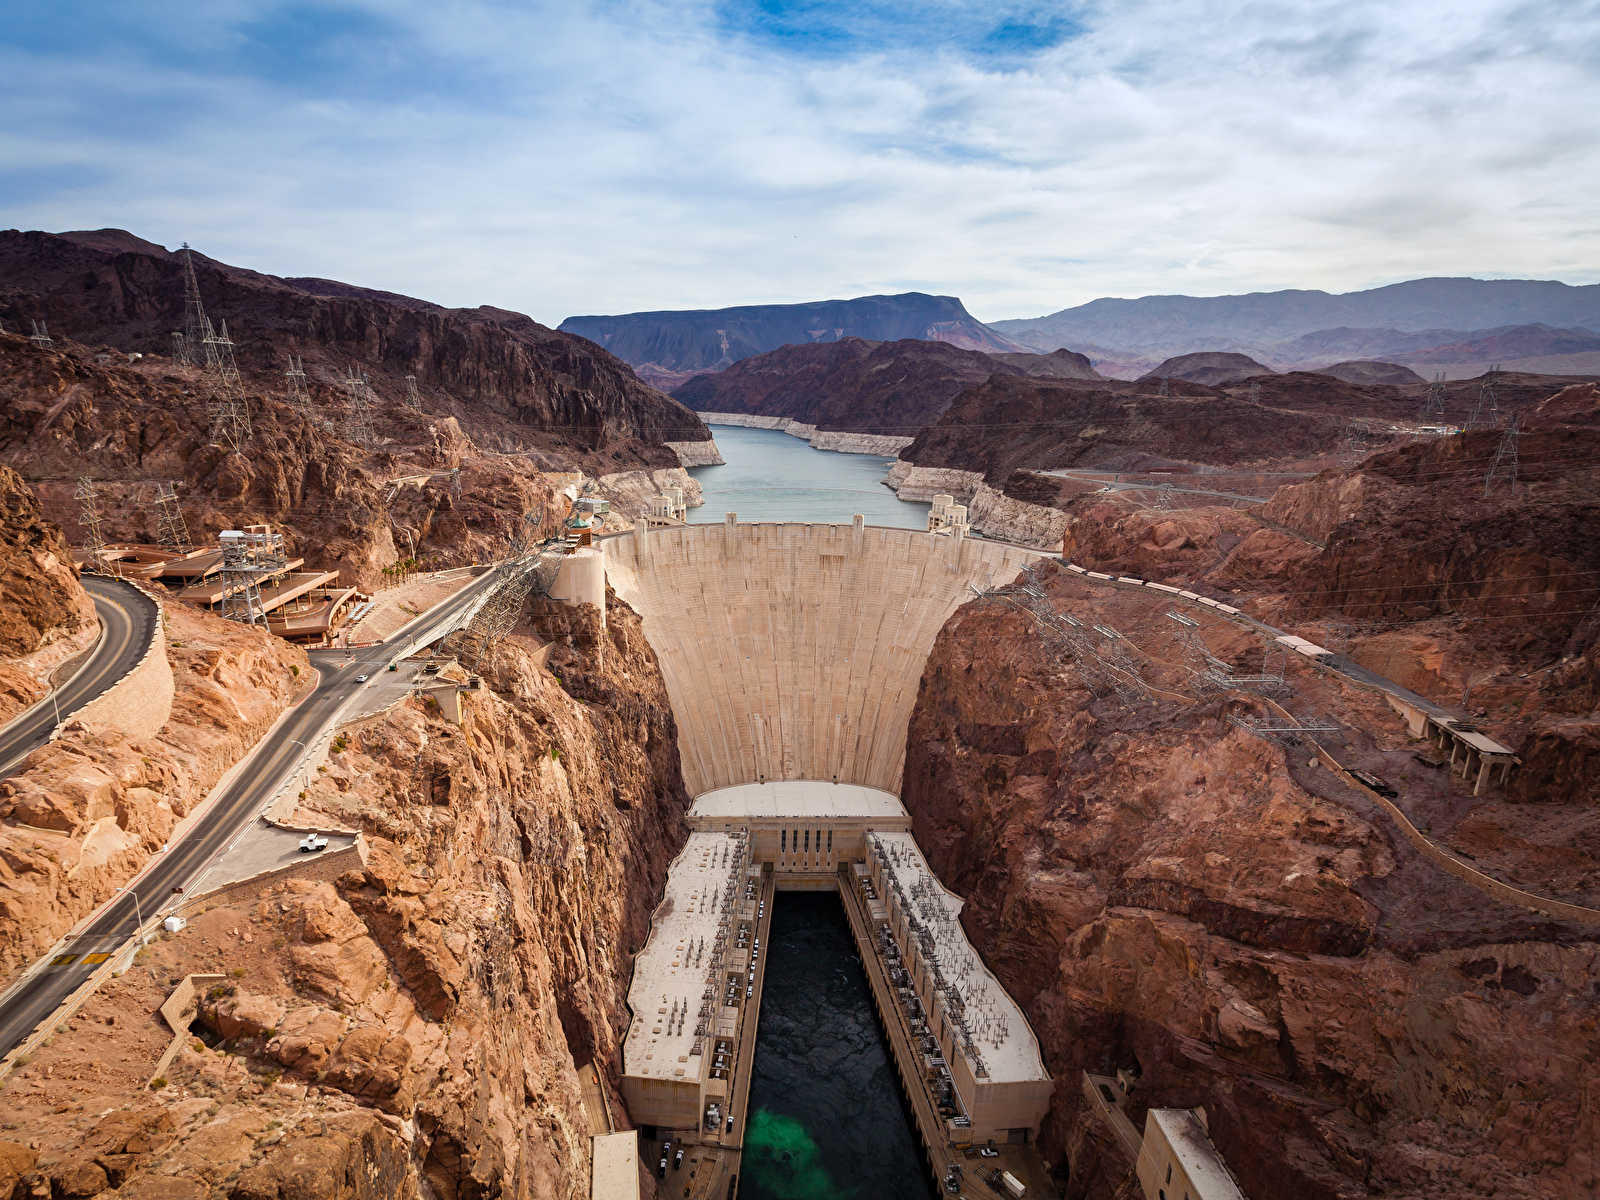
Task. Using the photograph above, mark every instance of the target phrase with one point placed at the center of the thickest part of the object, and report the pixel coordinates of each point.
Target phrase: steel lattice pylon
(1433, 402)
(299, 393)
(230, 413)
(1064, 633)
(413, 399)
(172, 531)
(358, 408)
(1486, 412)
(1283, 731)
(94, 542)
(190, 344)
(248, 557)
(41, 335)
(1212, 674)
(1504, 465)
(1357, 438)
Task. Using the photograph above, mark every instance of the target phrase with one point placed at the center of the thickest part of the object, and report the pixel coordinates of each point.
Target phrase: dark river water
(771, 476)
(827, 1121)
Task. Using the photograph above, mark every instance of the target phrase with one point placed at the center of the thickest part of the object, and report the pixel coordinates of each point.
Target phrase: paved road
(1119, 486)
(46, 989)
(129, 618)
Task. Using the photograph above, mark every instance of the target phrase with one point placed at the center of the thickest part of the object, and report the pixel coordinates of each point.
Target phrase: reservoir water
(827, 1120)
(770, 476)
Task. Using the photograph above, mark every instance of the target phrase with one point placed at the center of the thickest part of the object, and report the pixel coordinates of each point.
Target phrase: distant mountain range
(1458, 326)
(1456, 320)
(666, 348)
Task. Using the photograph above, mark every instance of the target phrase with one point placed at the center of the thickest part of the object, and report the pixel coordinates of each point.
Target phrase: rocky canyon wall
(1169, 895)
(414, 1027)
(792, 651)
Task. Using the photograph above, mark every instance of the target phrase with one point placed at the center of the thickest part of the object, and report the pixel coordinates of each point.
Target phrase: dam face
(794, 651)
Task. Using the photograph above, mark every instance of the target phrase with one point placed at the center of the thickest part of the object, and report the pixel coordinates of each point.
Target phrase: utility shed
(1178, 1161)
(616, 1167)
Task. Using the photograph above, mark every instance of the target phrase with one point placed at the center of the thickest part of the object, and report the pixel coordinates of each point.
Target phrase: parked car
(313, 843)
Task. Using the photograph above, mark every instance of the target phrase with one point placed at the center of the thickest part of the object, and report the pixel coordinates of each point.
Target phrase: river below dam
(770, 476)
(827, 1120)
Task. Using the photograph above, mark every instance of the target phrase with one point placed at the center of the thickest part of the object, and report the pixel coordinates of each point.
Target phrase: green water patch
(784, 1159)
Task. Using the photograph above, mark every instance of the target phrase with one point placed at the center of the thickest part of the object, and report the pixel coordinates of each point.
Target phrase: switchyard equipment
(249, 556)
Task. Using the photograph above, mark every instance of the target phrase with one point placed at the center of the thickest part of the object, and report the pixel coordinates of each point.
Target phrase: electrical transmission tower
(1164, 390)
(358, 408)
(1164, 497)
(41, 335)
(1433, 402)
(413, 400)
(173, 532)
(530, 566)
(189, 346)
(1504, 465)
(94, 542)
(1255, 391)
(248, 557)
(299, 394)
(1357, 436)
(1064, 635)
(1210, 673)
(1486, 412)
(1283, 731)
(229, 412)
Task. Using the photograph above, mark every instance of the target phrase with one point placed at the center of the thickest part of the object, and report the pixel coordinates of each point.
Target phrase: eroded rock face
(45, 614)
(413, 1027)
(85, 812)
(892, 388)
(1163, 892)
(513, 381)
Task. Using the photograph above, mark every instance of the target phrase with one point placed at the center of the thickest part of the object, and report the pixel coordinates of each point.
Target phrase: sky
(606, 157)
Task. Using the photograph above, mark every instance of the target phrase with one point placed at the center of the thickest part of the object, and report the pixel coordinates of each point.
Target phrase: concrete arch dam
(794, 651)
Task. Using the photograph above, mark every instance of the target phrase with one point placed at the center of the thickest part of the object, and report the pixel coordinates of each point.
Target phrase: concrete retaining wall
(795, 651)
(322, 868)
(139, 703)
(823, 439)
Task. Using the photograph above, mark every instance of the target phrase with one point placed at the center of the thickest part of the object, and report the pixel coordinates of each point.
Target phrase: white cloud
(560, 160)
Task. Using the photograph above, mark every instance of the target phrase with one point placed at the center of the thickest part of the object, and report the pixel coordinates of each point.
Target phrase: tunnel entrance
(827, 1116)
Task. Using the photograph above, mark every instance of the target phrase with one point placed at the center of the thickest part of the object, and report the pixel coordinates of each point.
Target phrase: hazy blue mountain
(1264, 320)
(711, 339)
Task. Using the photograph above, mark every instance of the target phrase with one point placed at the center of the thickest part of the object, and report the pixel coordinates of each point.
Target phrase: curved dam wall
(794, 651)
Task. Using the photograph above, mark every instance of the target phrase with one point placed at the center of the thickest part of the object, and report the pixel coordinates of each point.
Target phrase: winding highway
(128, 617)
(51, 983)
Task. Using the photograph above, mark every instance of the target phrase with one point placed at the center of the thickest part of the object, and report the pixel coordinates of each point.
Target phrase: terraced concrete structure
(794, 651)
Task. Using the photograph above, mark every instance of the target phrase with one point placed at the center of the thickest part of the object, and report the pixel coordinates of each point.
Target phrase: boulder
(246, 1015)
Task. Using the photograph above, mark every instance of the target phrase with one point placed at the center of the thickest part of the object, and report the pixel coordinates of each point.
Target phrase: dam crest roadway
(793, 654)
